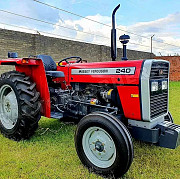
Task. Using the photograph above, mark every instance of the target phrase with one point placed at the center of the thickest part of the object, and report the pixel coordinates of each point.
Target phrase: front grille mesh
(159, 101)
(158, 104)
(159, 70)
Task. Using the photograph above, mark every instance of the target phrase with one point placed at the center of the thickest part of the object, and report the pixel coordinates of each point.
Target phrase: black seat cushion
(55, 74)
(48, 62)
(50, 66)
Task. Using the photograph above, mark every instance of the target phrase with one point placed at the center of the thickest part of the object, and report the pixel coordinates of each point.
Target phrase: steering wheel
(79, 59)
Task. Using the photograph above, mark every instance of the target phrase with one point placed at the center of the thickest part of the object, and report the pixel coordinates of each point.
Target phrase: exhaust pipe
(113, 36)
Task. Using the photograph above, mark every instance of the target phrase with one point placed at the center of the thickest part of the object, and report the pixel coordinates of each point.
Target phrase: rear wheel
(104, 144)
(19, 106)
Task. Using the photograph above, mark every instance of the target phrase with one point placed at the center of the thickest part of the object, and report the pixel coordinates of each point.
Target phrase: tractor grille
(159, 70)
(159, 100)
(158, 104)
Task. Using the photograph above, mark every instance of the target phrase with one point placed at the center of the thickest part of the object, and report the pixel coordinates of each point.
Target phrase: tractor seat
(50, 66)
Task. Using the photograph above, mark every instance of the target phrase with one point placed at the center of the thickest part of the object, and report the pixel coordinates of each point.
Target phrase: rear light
(25, 61)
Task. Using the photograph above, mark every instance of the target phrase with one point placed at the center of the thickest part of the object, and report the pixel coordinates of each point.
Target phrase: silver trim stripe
(145, 90)
(104, 71)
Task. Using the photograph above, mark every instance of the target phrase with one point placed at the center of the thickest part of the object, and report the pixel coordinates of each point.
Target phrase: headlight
(164, 85)
(154, 86)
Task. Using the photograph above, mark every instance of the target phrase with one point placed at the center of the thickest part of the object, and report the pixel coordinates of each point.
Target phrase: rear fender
(35, 69)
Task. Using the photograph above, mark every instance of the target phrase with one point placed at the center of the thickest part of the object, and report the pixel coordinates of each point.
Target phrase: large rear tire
(104, 144)
(19, 106)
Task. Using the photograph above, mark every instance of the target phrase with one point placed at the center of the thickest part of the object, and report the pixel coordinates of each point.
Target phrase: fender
(35, 69)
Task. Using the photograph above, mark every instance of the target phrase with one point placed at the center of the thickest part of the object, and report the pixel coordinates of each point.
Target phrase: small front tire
(169, 117)
(103, 145)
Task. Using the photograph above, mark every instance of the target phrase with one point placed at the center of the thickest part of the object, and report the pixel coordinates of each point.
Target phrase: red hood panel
(119, 72)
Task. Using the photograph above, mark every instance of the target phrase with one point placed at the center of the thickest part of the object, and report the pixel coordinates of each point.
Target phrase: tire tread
(28, 103)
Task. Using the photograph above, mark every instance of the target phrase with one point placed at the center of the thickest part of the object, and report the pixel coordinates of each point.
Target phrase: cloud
(85, 30)
(157, 25)
(166, 31)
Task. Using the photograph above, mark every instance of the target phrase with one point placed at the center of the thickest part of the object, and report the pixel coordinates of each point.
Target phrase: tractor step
(56, 115)
(169, 135)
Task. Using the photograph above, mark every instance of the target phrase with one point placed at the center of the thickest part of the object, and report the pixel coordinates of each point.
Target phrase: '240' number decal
(123, 70)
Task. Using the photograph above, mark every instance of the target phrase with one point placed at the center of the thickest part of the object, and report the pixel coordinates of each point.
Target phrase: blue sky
(143, 17)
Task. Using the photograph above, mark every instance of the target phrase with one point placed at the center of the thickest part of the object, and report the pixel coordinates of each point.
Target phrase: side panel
(106, 72)
(129, 96)
(38, 75)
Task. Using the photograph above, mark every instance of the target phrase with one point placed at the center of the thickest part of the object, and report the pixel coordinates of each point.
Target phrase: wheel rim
(99, 147)
(8, 107)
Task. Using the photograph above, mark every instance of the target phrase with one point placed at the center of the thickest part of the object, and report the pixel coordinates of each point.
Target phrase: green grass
(50, 153)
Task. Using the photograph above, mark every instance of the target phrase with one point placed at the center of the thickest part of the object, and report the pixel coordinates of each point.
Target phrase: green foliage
(50, 153)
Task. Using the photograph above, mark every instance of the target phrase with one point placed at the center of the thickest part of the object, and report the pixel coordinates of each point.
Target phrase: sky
(140, 19)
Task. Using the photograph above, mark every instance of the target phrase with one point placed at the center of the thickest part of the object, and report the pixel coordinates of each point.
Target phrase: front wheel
(169, 117)
(104, 144)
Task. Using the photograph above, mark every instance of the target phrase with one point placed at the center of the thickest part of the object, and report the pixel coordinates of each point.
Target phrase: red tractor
(116, 100)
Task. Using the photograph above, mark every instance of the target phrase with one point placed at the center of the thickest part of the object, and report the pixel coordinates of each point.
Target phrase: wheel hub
(99, 146)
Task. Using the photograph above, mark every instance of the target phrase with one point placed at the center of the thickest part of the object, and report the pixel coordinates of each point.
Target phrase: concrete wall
(32, 44)
(26, 44)
(174, 67)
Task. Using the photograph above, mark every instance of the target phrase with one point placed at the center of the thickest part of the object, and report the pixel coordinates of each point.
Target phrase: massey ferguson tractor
(115, 99)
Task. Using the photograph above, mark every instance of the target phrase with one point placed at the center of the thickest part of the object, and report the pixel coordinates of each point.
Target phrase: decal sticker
(104, 71)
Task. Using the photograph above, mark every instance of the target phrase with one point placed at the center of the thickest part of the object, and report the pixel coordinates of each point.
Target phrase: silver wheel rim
(99, 147)
(8, 107)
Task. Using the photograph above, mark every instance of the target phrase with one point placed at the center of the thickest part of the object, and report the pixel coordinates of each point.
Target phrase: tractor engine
(83, 99)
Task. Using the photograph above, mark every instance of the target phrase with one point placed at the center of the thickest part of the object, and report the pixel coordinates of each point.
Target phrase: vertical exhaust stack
(113, 36)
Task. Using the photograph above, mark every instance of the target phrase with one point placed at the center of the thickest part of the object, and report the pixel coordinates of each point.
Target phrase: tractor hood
(106, 72)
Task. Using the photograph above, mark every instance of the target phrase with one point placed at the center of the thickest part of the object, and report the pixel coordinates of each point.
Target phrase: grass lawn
(50, 153)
